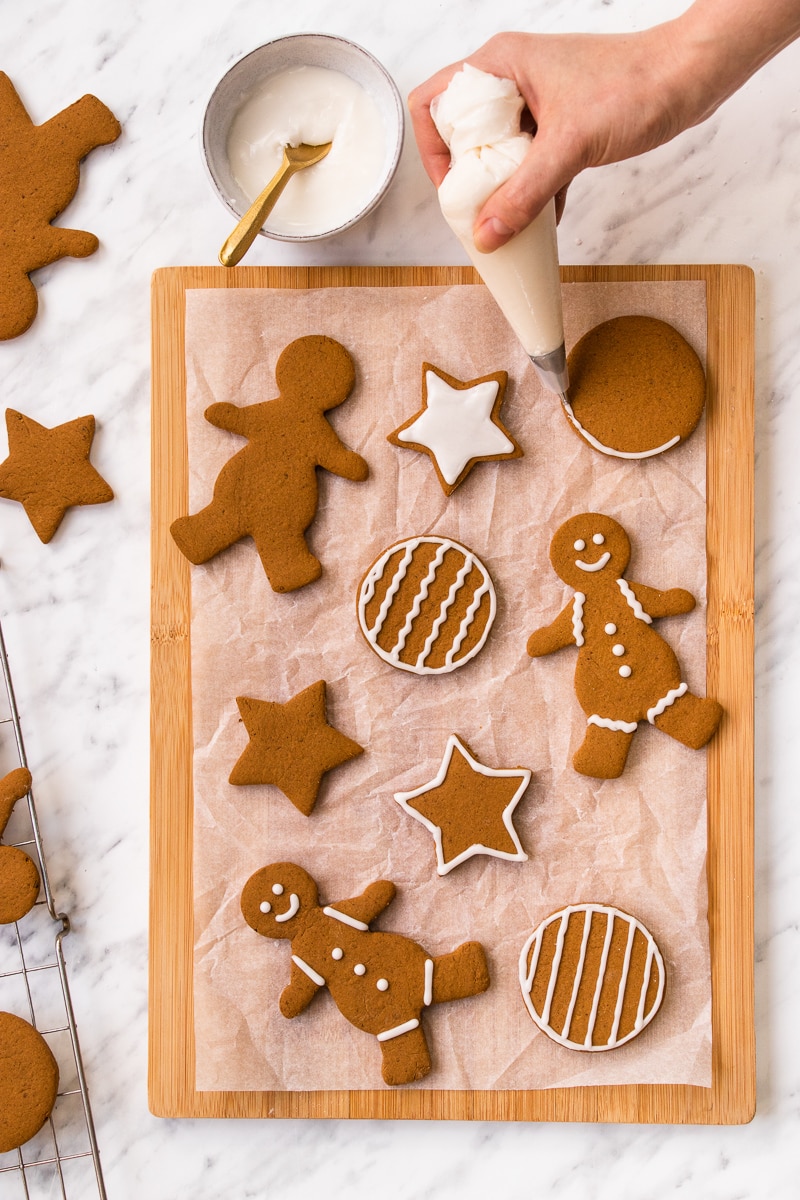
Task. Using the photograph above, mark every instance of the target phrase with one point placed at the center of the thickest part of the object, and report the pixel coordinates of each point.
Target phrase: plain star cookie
(626, 672)
(426, 605)
(592, 977)
(39, 175)
(19, 875)
(48, 470)
(28, 1081)
(380, 982)
(458, 425)
(469, 808)
(291, 745)
(637, 388)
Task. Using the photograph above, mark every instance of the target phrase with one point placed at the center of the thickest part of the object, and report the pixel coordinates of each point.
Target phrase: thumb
(540, 176)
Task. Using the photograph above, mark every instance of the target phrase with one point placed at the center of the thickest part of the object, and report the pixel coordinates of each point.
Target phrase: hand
(601, 98)
(594, 98)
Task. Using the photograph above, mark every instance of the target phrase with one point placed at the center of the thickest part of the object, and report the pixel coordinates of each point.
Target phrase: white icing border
(607, 723)
(367, 591)
(578, 602)
(633, 603)
(666, 702)
(522, 773)
(398, 1030)
(527, 974)
(344, 918)
(313, 975)
(570, 415)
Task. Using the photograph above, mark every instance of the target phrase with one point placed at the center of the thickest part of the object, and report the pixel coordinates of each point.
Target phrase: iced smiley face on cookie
(626, 672)
(380, 982)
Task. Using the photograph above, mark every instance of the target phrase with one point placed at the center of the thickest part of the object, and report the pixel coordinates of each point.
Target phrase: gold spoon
(295, 158)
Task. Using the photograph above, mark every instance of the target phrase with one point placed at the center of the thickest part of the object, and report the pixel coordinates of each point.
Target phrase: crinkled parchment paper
(638, 842)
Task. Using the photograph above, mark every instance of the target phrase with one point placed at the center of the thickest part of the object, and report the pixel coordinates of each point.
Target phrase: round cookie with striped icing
(380, 982)
(426, 605)
(625, 671)
(592, 977)
(637, 388)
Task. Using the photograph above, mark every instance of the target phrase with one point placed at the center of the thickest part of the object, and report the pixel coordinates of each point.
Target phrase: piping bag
(478, 117)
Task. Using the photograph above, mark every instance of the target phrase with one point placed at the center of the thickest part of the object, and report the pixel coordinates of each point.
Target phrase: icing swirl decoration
(426, 605)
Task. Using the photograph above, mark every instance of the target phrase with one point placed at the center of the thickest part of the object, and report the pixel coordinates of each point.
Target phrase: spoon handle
(243, 236)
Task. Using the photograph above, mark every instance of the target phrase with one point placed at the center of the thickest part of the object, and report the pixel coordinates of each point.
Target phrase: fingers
(542, 174)
(432, 150)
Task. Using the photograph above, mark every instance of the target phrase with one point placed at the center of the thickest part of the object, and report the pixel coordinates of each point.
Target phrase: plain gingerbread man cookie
(39, 175)
(380, 982)
(625, 672)
(268, 490)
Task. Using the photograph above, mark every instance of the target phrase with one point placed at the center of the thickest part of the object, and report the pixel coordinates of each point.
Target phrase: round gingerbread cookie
(592, 977)
(19, 884)
(637, 387)
(426, 605)
(28, 1081)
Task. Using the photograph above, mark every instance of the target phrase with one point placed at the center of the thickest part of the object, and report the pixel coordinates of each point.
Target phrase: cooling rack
(63, 1158)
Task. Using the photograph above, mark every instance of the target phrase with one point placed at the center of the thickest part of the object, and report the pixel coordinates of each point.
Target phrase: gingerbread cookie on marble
(268, 490)
(626, 672)
(380, 982)
(458, 425)
(637, 388)
(592, 977)
(48, 470)
(39, 175)
(28, 1081)
(19, 875)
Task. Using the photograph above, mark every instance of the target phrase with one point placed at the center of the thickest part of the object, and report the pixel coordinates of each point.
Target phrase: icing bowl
(303, 78)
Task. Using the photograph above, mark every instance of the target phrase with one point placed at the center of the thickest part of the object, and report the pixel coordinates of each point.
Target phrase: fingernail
(492, 233)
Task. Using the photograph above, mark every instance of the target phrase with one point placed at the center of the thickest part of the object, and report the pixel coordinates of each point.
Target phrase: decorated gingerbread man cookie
(268, 490)
(380, 982)
(625, 672)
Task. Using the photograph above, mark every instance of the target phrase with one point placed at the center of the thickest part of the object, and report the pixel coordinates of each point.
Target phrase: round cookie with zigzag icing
(426, 605)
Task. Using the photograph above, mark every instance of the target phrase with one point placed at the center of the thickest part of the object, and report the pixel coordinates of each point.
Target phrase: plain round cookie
(19, 884)
(28, 1081)
(637, 387)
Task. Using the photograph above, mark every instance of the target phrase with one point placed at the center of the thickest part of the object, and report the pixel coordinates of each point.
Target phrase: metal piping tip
(552, 370)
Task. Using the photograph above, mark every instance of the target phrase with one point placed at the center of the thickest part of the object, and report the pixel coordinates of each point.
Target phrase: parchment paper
(638, 842)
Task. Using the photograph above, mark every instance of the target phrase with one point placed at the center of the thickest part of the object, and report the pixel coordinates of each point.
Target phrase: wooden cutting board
(731, 1098)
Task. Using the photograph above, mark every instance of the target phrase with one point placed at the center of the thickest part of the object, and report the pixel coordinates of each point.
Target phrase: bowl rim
(392, 165)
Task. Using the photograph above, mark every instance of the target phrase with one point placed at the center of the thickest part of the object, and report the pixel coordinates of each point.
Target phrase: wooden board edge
(731, 1099)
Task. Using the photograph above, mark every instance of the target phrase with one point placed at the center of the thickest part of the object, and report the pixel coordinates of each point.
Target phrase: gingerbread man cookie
(19, 875)
(380, 982)
(39, 175)
(625, 672)
(268, 490)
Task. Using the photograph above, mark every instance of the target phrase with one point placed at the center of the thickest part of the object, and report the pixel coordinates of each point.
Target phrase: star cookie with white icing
(468, 808)
(458, 425)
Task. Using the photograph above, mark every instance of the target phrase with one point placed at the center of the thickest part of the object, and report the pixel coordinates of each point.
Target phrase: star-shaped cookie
(291, 745)
(48, 470)
(468, 808)
(458, 425)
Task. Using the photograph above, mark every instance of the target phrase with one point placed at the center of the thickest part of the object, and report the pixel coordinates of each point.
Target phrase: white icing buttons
(618, 649)
(265, 906)
(337, 952)
(625, 672)
(359, 969)
(277, 889)
(580, 544)
(598, 539)
(382, 985)
(610, 628)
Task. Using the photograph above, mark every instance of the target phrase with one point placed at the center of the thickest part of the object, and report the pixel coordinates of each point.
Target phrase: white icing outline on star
(524, 775)
(458, 426)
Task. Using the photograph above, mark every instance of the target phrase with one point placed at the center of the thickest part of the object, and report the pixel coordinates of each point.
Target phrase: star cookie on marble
(458, 425)
(468, 808)
(291, 745)
(48, 470)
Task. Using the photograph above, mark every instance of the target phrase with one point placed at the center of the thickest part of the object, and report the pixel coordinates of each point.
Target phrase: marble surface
(75, 613)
